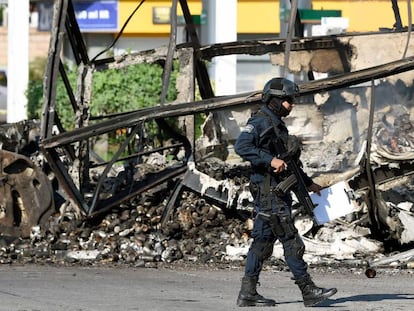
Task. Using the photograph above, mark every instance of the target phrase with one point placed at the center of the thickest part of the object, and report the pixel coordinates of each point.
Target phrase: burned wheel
(26, 195)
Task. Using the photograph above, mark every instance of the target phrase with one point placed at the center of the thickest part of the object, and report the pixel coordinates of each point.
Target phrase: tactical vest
(292, 146)
(291, 142)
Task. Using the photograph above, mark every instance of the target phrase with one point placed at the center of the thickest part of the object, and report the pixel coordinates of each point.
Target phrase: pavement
(88, 288)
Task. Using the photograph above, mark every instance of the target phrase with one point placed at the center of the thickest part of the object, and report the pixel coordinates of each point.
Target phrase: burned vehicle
(351, 107)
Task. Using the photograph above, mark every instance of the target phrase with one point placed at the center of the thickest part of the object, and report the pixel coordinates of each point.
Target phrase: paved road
(44, 288)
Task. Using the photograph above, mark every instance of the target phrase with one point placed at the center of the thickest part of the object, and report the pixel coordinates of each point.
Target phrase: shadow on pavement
(371, 297)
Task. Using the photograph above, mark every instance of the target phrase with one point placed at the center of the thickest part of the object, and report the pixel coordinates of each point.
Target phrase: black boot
(312, 295)
(248, 296)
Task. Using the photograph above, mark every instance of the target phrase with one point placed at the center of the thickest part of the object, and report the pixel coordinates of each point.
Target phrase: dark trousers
(262, 232)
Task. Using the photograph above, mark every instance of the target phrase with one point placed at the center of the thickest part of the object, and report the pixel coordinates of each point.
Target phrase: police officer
(273, 212)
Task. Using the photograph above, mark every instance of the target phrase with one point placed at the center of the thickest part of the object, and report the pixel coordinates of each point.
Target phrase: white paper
(333, 203)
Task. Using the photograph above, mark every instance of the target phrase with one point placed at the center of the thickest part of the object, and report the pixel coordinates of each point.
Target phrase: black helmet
(279, 87)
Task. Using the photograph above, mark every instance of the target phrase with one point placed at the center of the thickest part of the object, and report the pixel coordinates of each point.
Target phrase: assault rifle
(294, 181)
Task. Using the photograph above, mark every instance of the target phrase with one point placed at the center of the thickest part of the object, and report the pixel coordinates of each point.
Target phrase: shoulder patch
(248, 128)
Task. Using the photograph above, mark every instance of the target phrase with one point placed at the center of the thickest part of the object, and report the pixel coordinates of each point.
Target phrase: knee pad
(294, 247)
(288, 226)
(263, 249)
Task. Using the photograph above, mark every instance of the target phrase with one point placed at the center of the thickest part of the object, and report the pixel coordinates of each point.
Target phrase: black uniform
(257, 143)
(251, 145)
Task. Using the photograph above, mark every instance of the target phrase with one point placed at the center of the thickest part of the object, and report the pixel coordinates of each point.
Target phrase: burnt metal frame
(65, 24)
(75, 143)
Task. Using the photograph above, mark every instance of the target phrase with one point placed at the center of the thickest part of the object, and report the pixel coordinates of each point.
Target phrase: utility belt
(282, 226)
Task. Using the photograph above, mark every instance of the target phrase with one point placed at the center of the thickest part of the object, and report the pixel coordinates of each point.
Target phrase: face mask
(278, 109)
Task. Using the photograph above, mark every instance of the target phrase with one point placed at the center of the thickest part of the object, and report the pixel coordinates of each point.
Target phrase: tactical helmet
(279, 87)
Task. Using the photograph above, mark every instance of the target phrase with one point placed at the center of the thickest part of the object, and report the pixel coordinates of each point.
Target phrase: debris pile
(132, 234)
(199, 231)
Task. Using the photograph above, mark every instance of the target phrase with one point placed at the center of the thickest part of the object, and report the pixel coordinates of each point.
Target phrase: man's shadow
(361, 298)
(366, 298)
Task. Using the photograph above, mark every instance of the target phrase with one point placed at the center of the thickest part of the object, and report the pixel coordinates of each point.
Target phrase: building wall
(263, 16)
(142, 22)
(3, 46)
(254, 17)
(258, 16)
(367, 15)
(364, 15)
(38, 45)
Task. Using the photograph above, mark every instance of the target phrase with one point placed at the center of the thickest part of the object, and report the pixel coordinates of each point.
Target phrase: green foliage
(34, 91)
(131, 88)
(63, 105)
(37, 68)
(34, 95)
(113, 91)
(199, 118)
